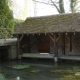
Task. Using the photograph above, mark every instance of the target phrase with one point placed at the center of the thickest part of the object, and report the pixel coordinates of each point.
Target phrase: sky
(44, 9)
(40, 10)
(18, 8)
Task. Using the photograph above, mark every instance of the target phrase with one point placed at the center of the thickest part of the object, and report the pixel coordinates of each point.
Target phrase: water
(39, 70)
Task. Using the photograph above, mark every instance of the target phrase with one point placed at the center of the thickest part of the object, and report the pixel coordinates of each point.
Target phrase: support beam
(68, 38)
(70, 42)
(53, 38)
(21, 37)
(29, 44)
(63, 43)
(55, 46)
(58, 37)
(19, 40)
(73, 37)
(18, 46)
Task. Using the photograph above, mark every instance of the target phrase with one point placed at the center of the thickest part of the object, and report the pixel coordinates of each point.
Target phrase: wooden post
(19, 40)
(21, 37)
(70, 42)
(18, 47)
(63, 42)
(29, 43)
(55, 46)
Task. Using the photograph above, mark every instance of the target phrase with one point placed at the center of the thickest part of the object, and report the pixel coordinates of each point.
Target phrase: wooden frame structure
(54, 39)
(62, 27)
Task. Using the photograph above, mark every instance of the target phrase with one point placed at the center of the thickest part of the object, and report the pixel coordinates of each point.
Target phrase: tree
(19, 12)
(61, 9)
(6, 18)
(59, 4)
(73, 4)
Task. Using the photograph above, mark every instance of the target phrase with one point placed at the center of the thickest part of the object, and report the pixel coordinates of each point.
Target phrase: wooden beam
(51, 37)
(55, 46)
(63, 43)
(18, 48)
(71, 42)
(21, 37)
(29, 44)
(67, 37)
(18, 41)
(58, 37)
(18, 45)
(73, 37)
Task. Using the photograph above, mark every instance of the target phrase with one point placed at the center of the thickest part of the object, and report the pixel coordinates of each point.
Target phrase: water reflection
(18, 78)
(36, 70)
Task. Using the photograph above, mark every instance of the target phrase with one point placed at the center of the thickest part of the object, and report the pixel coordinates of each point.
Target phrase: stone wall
(75, 45)
(13, 51)
(34, 44)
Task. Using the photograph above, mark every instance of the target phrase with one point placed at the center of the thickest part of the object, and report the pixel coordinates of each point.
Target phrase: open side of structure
(57, 34)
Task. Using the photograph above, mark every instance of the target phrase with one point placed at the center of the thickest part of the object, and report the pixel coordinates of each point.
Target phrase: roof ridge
(52, 15)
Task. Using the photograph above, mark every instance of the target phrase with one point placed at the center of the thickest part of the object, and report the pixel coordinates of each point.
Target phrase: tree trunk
(61, 6)
(73, 4)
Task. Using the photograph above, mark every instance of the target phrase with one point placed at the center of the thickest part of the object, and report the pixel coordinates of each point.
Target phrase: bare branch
(43, 2)
(52, 4)
(55, 6)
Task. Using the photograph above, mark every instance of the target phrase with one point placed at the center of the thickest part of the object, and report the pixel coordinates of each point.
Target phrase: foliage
(61, 71)
(2, 77)
(19, 66)
(60, 9)
(32, 70)
(20, 12)
(73, 4)
(6, 18)
(70, 77)
(35, 71)
(67, 73)
(17, 22)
